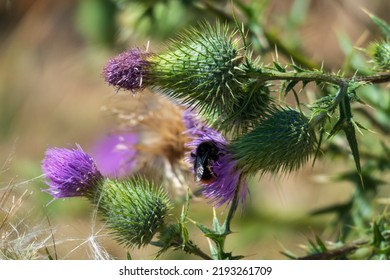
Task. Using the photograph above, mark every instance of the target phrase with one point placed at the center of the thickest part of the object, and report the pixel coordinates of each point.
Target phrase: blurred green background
(52, 92)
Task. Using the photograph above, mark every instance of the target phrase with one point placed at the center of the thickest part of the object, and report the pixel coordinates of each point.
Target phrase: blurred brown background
(52, 92)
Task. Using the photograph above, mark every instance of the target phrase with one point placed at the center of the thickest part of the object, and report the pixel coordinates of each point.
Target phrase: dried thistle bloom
(283, 142)
(70, 172)
(133, 209)
(158, 125)
(214, 166)
(115, 154)
(129, 70)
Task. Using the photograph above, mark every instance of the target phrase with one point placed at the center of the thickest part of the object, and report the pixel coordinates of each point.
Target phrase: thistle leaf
(278, 67)
(321, 244)
(384, 27)
(349, 131)
(290, 86)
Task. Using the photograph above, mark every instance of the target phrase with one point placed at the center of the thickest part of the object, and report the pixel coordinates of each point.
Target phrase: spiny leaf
(385, 28)
(349, 131)
(205, 229)
(305, 83)
(321, 244)
(216, 225)
(213, 251)
(297, 68)
(279, 67)
(313, 247)
(229, 256)
(289, 255)
(336, 128)
(213, 235)
(337, 208)
(290, 86)
(377, 235)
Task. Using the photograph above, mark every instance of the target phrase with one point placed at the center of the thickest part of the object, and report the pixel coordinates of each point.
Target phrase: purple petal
(70, 172)
(115, 154)
(129, 70)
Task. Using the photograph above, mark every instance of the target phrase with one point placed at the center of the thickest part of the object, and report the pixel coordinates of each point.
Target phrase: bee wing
(199, 166)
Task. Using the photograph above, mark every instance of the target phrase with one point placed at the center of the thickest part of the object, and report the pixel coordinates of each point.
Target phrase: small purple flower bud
(115, 154)
(70, 172)
(129, 70)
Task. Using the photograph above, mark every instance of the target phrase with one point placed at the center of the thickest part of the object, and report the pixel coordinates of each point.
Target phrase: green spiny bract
(200, 68)
(204, 69)
(250, 109)
(283, 142)
(380, 52)
(133, 209)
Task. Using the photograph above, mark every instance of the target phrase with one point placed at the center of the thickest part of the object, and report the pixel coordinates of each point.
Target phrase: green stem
(192, 249)
(263, 76)
(232, 209)
(336, 253)
(374, 79)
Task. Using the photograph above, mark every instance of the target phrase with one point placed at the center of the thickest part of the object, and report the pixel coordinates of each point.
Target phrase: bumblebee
(206, 153)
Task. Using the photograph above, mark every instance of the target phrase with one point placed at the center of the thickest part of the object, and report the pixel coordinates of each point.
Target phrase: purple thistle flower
(70, 172)
(191, 121)
(226, 176)
(115, 154)
(129, 70)
(223, 188)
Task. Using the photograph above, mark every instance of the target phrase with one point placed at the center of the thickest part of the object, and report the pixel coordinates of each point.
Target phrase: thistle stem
(192, 249)
(339, 252)
(264, 76)
(270, 75)
(232, 209)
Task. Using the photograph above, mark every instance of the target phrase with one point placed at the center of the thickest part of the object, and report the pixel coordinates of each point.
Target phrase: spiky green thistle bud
(380, 52)
(283, 142)
(250, 109)
(133, 209)
(200, 67)
(204, 68)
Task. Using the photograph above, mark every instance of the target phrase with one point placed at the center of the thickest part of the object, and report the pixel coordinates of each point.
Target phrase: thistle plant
(204, 69)
(236, 127)
(283, 142)
(134, 210)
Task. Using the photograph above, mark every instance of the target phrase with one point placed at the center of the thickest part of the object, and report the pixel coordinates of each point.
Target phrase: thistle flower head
(214, 166)
(70, 172)
(252, 106)
(283, 142)
(133, 209)
(115, 154)
(204, 69)
(227, 179)
(380, 52)
(129, 70)
(200, 68)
